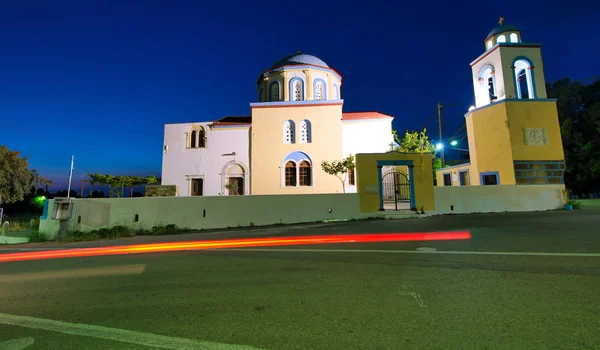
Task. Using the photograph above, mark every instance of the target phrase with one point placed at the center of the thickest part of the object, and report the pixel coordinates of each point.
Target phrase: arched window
(274, 91)
(196, 137)
(501, 39)
(305, 131)
(336, 92)
(297, 89)
(514, 38)
(320, 91)
(305, 173)
(193, 138)
(296, 170)
(290, 174)
(523, 73)
(489, 44)
(488, 83)
(289, 131)
(201, 138)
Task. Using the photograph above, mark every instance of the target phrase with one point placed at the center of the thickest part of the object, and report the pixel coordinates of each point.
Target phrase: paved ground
(360, 296)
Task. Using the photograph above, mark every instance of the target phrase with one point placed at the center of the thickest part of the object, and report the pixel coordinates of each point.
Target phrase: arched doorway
(234, 177)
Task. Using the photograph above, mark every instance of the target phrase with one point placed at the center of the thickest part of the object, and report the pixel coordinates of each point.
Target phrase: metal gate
(396, 191)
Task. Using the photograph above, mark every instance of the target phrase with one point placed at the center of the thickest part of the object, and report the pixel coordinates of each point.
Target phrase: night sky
(100, 81)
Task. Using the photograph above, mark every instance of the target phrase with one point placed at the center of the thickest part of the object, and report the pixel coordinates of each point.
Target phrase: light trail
(234, 243)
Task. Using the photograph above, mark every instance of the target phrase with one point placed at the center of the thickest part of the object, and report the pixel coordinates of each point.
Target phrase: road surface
(527, 280)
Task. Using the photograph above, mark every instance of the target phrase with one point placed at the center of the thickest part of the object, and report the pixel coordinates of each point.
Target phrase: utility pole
(70, 176)
(440, 107)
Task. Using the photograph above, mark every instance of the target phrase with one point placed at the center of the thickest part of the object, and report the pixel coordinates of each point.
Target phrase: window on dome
(297, 90)
(319, 91)
(501, 38)
(514, 38)
(489, 44)
(274, 91)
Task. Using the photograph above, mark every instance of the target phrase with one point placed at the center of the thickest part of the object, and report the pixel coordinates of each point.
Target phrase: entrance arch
(395, 185)
(234, 179)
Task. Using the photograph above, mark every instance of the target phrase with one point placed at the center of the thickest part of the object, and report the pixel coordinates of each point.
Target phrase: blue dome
(299, 58)
(501, 28)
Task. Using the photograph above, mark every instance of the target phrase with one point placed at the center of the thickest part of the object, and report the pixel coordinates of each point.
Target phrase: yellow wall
(269, 151)
(535, 55)
(454, 171)
(368, 179)
(491, 139)
(534, 114)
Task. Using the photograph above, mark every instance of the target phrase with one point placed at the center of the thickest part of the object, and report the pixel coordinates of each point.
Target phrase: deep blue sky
(99, 81)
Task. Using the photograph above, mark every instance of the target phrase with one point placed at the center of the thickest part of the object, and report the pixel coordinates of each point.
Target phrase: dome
(299, 58)
(501, 28)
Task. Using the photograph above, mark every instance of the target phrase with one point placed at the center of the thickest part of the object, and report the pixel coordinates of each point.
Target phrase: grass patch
(21, 221)
(120, 232)
(591, 203)
(37, 237)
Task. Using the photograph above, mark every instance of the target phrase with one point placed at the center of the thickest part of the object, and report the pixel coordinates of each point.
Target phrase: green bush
(575, 204)
(36, 236)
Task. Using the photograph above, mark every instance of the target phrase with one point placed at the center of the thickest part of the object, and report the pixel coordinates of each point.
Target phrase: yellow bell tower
(513, 129)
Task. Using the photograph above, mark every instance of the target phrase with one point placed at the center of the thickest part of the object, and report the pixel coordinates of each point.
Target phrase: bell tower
(513, 128)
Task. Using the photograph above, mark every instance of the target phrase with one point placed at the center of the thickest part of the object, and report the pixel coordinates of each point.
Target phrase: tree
(579, 115)
(117, 183)
(417, 142)
(338, 168)
(16, 179)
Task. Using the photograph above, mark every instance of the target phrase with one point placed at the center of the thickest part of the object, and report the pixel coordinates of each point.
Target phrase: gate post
(379, 174)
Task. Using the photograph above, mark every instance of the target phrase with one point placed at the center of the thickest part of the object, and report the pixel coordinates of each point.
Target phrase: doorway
(235, 186)
(396, 188)
(197, 187)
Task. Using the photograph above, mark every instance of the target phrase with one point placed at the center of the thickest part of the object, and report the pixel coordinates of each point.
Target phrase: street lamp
(439, 146)
(453, 143)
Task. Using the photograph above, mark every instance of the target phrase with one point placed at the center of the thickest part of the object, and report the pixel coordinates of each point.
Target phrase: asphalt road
(490, 292)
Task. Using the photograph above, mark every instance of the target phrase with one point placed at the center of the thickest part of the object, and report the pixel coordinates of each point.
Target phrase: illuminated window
(501, 39)
(305, 132)
(523, 72)
(290, 174)
(514, 38)
(297, 90)
(489, 44)
(289, 132)
(488, 83)
(305, 173)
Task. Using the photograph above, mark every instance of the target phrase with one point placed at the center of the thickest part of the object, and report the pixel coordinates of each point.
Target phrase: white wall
(481, 91)
(489, 199)
(209, 212)
(180, 163)
(366, 136)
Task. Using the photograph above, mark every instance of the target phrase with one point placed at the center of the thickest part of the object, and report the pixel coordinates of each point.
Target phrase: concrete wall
(368, 179)
(208, 212)
(180, 164)
(486, 199)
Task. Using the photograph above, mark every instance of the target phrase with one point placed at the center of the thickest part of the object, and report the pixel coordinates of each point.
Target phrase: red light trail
(234, 243)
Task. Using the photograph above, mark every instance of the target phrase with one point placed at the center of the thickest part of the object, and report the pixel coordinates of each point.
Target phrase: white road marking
(426, 249)
(121, 335)
(450, 252)
(16, 344)
(75, 273)
(410, 290)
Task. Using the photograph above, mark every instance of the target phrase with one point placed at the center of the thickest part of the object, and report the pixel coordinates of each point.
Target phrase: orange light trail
(234, 243)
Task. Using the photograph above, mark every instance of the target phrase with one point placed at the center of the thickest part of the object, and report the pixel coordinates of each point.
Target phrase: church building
(296, 124)
(513, 128)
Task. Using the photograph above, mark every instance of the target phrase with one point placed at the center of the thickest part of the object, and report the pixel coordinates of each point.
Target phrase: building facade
(296, 124)
(513, 128)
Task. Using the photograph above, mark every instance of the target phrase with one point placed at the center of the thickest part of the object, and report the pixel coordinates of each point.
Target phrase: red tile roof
(233, 121)
(364, 115)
